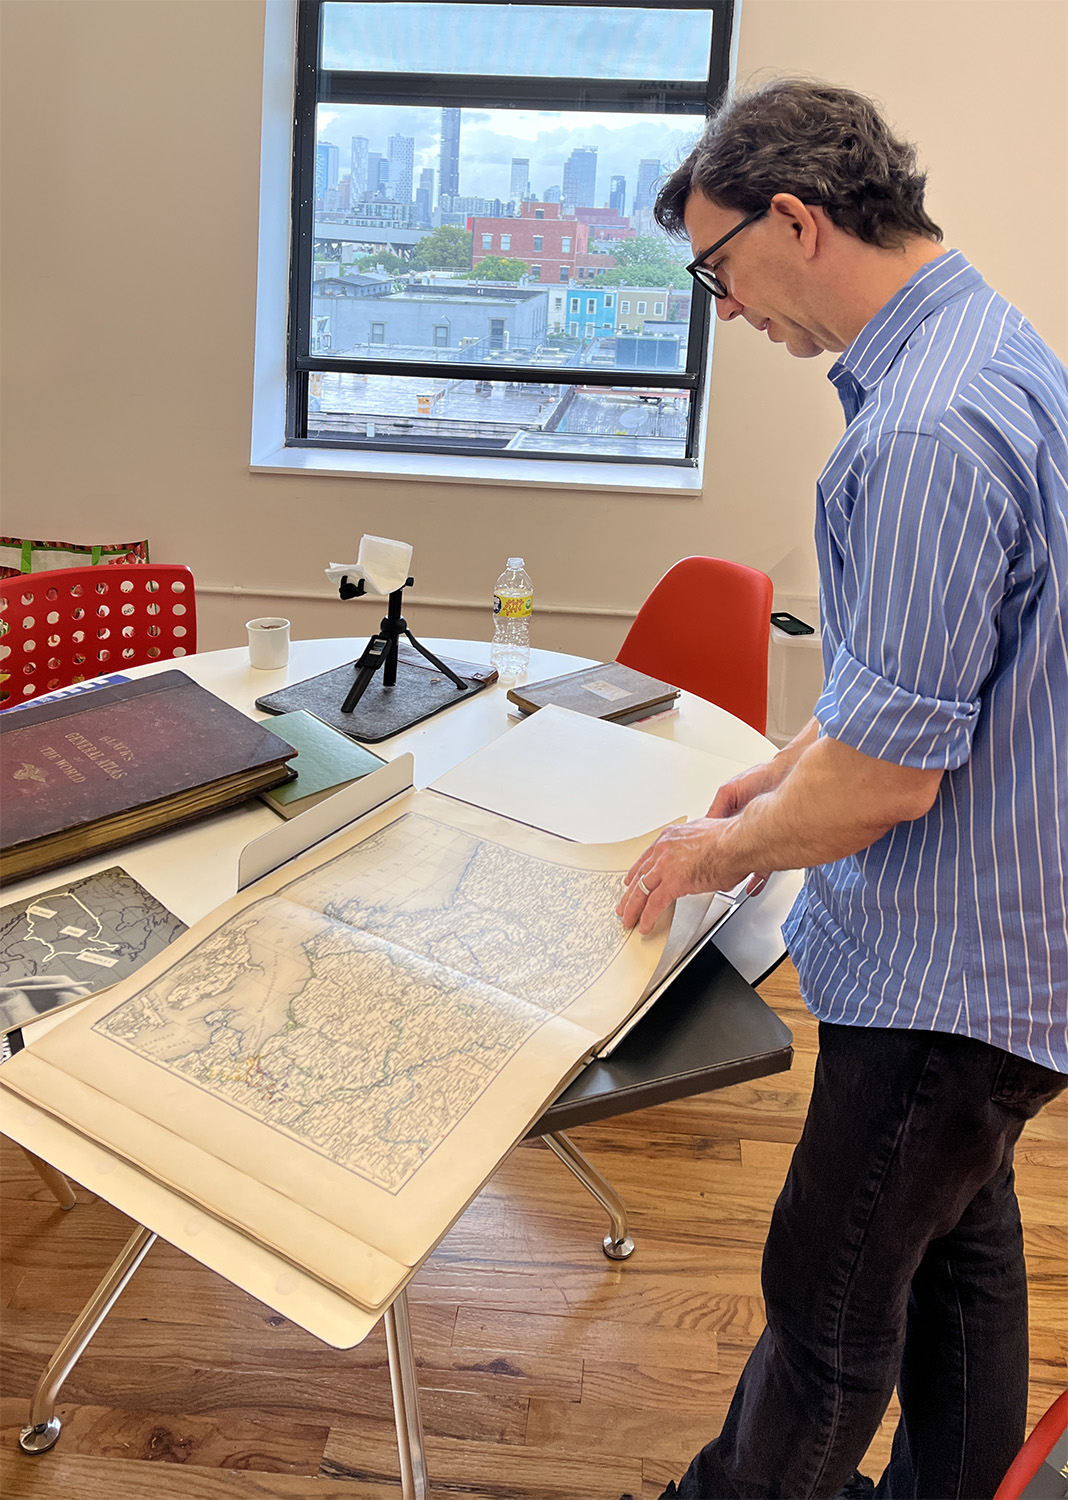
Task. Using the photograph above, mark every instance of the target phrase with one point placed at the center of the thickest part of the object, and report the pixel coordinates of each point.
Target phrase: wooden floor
(546, 1372)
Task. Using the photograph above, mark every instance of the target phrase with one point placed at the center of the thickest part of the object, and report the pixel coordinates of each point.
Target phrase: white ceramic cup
(268, 642)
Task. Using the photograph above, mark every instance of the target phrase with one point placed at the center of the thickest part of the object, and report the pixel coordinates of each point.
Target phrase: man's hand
(818, 800)
(685, 859)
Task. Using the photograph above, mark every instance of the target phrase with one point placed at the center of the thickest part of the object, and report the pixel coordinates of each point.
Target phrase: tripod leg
(374, 654)
(433, 660)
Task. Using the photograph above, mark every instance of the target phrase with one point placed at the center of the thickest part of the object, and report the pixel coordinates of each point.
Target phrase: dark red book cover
(93, 755)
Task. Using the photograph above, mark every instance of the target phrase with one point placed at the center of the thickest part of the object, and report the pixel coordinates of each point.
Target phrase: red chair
(705, 628)
(1047, 1430)
(64, 625)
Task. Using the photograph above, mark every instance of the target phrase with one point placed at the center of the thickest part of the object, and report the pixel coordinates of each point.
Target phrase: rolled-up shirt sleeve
(923, 572)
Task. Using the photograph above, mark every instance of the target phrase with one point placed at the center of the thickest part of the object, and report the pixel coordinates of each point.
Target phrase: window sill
(442, 468)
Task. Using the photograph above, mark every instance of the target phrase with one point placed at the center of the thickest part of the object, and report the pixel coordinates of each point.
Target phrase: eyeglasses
(700, 272)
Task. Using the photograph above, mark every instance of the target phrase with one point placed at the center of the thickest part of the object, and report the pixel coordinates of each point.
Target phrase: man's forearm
(817, 800)
(832, 801)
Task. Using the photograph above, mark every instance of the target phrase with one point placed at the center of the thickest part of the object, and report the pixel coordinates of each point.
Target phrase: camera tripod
(380, 653)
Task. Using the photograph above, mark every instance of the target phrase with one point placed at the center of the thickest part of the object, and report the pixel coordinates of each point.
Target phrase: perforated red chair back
(63, 626)
(705, 628)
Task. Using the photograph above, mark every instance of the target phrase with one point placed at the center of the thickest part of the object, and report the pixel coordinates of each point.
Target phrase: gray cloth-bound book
(607, 691)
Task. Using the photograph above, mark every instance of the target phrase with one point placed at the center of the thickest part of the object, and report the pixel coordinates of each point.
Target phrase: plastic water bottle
(513, 604)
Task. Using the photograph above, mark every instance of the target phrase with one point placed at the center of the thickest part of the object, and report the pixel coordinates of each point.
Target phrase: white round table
(193, 869)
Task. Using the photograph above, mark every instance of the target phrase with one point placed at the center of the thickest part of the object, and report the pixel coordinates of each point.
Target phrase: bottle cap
(515, 562)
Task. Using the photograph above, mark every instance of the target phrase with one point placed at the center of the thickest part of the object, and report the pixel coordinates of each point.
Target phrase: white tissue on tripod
(382, 563)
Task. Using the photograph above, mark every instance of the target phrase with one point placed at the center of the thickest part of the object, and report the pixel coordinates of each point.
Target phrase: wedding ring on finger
(643, 887)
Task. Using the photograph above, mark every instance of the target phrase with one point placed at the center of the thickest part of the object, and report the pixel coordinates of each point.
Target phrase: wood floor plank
(632, 1431)
(491, 1415)
(488, 1472)
(62, 1476)
(223, 1440)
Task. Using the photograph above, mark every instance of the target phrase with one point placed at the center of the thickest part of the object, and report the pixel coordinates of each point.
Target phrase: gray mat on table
(382, 711)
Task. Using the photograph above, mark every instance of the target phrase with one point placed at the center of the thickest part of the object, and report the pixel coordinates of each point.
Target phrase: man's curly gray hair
(824, 144)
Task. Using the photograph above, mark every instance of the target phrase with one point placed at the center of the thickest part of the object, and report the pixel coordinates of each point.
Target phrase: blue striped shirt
(942, 538)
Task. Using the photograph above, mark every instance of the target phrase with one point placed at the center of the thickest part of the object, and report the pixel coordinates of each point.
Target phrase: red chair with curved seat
(705, 628)
(1047, 1432)
(67, 624)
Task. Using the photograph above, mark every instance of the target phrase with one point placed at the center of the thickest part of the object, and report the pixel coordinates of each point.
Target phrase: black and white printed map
(364, 1008)
(74, 939)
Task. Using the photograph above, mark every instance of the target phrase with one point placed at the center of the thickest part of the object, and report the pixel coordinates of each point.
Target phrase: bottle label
(512, 608)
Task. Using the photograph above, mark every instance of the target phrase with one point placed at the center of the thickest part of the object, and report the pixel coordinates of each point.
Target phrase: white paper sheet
(585, 779)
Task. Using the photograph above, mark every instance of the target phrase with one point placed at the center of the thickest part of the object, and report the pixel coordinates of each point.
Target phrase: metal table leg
(43, 1427)
(402, 1379)
(618, 1245)
(56, 1183)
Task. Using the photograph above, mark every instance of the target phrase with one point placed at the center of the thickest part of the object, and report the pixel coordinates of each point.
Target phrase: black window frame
(315, 86)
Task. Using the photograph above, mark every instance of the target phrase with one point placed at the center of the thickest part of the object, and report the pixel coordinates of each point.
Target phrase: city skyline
(490, 140)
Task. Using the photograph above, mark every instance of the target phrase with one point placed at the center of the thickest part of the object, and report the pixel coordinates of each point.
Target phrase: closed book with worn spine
(327, 761)
(91, 772)
(606, 691)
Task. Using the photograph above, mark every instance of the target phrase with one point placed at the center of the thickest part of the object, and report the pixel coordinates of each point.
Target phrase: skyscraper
(580, 178)
(326, 161)
(617, 196)
(358, 166)
(424, 196)
(519, 187)
(645, 192)
(401, 163)
(449, 178)
(377, 175)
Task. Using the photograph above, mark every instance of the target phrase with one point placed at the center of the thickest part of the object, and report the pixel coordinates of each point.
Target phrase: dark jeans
(895, 1256)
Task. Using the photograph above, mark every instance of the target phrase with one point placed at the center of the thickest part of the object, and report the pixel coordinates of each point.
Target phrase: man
(927, 801)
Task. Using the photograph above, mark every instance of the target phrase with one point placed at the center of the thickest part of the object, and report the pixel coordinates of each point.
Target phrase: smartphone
(791, 624)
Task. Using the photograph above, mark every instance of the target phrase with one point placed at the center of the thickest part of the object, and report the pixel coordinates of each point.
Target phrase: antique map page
(345, 1051)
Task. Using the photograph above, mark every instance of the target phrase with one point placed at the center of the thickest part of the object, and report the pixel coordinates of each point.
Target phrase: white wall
(130, 159)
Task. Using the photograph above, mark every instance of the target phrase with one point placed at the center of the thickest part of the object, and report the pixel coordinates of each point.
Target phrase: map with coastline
(363, 1008)
(74, 939)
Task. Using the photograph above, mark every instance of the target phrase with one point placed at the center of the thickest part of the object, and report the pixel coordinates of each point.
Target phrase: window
(573, 305)
(641, 308)
(589, 331)
(658, 309)
(624, 307)
(609, 301)
(407, 115)
(572, 329)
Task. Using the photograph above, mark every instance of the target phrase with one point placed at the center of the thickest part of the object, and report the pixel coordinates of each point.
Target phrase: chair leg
(402, 1378)
(42, 1430)
(56, 1183)
(618, 1245)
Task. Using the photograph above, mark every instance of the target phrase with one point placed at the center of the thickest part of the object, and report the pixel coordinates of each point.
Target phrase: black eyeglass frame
(700, 272)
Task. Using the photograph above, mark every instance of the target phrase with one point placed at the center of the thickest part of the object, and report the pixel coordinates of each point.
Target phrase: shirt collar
(867, 359)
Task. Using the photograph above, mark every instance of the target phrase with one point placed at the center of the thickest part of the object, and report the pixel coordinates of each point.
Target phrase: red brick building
(554, 248)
